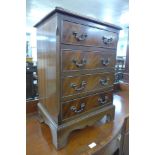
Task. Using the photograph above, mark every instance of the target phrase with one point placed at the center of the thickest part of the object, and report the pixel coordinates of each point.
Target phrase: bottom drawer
(81, 105)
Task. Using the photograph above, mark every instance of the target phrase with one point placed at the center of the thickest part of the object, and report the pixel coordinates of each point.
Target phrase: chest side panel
(47, 66)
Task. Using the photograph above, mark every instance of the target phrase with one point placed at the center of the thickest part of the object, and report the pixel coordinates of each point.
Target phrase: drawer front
(78, 60)
(88, 36)
(82, 105)
(84, 83)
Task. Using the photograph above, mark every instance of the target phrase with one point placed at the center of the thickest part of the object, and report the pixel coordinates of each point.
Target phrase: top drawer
(78, 34)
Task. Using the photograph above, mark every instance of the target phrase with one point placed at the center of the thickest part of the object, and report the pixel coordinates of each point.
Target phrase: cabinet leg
(61, 132)
(59, 138)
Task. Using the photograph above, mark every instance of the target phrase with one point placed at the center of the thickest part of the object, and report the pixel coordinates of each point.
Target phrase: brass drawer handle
(103, 100)
(74, 86)
(104, 81)
(79, 37)
(73, 108)
(81, 64)
(105, 62)
(107, 41)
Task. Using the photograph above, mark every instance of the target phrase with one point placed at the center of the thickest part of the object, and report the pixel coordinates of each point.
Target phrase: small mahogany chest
(76, 69)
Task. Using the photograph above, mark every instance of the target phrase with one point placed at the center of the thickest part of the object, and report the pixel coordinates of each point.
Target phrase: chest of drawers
(76, 60)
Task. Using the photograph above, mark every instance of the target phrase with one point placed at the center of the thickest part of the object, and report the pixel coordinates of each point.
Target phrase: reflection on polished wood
(39, 137)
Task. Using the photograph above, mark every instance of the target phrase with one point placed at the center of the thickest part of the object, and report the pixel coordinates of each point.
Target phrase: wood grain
(55, 87)
(93, 82)
(47, 67)
(94, 60)
(93, 38)
(90, 103)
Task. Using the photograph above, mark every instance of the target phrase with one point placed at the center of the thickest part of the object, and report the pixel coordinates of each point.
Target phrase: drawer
(73, 60)
(78, 106)
(88, 36)
(85, 83)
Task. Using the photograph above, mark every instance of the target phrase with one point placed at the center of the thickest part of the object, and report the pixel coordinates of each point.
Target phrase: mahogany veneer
(76, 61)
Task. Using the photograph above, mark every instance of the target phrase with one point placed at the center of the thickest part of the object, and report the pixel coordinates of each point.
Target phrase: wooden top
(39, 142)
(67, 12)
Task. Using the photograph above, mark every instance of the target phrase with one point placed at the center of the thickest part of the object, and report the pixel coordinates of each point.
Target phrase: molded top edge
(64, 11)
